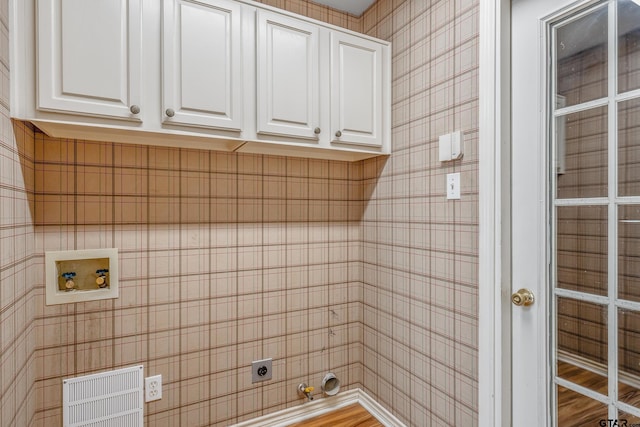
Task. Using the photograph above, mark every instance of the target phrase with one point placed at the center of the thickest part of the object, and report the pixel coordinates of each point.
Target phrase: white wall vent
(107, 399)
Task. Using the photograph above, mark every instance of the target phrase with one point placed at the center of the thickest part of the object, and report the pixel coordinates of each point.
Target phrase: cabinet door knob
(338, 134)
(134, 109)
(170, 112)
(316, 131)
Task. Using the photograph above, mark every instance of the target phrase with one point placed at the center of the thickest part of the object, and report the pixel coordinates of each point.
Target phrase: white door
(576, 212)
(89, 57)
(202, 71)
(356, 90)
(288, 82)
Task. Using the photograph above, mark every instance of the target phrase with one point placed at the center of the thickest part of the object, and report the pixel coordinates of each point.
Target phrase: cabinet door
(202, 70)
(356, 90)
(287, 76)
(89, 57)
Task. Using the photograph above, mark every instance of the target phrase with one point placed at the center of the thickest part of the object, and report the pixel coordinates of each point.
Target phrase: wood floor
(575, 409)
(349, 416)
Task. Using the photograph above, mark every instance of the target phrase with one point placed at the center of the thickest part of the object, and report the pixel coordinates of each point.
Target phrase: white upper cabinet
(202, 70)
(231, 75)
(287, 76)
(89, 57)
(356, 90)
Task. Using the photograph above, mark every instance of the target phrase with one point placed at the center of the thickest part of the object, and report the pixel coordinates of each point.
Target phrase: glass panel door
(595, 226)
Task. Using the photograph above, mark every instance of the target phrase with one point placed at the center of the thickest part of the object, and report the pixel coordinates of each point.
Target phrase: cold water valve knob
(101, 280)
(69, 284)
(305, 391)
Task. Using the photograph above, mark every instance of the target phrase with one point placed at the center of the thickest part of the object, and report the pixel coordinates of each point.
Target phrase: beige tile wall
(17, 259)
(18, 271)
(420, 250)
(319, 12)
(225, 259)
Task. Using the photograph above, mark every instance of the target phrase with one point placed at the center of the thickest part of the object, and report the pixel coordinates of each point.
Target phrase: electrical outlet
(153, 388)
(261, 370)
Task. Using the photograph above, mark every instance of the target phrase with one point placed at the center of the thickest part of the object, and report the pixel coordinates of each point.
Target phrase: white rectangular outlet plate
(153, 388)
(261, 370)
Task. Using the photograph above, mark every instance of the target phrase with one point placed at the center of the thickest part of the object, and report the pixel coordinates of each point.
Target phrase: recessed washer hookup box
(81, 275)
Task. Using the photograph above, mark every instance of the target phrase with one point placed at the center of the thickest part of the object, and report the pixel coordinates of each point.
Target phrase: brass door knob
(524, 297)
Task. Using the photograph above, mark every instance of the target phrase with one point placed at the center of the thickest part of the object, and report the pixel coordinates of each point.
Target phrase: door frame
(494, 306)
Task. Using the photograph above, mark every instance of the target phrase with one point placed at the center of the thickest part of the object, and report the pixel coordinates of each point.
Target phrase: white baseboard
(322, 406)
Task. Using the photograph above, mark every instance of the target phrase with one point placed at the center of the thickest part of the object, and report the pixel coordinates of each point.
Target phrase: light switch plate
(453, 186)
